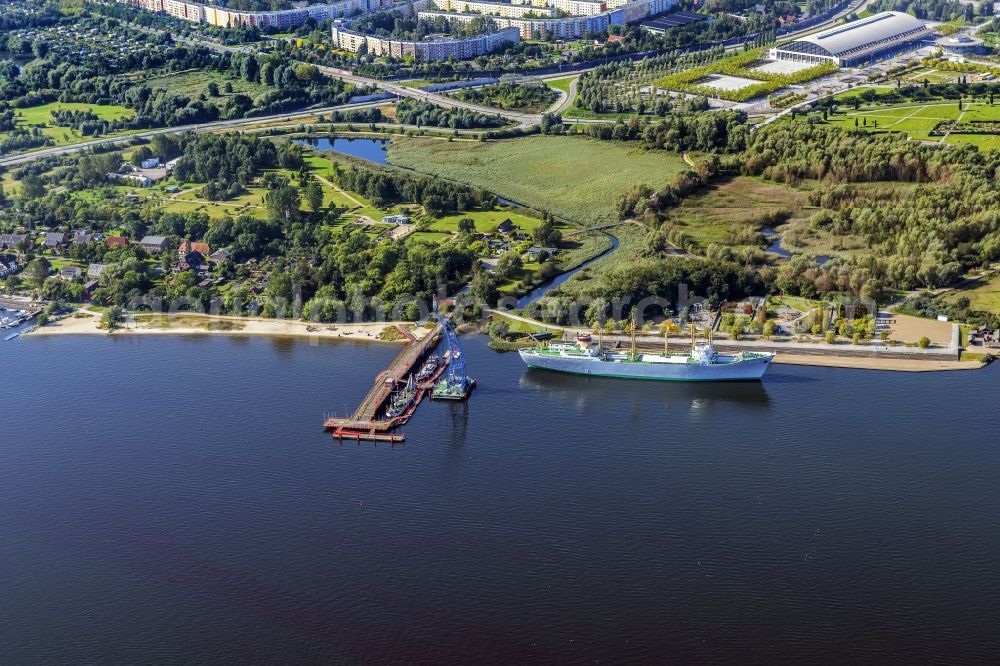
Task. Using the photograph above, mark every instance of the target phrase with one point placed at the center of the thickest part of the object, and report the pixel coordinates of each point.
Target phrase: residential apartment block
(228, 18)
(437, 49)
(566, 28)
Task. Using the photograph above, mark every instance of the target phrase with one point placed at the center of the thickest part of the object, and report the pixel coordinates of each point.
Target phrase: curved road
(522, 120)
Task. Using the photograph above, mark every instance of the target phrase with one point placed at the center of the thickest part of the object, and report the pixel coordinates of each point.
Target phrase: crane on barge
(456, 383)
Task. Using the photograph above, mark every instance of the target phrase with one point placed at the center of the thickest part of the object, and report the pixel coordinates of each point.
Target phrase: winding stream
(554, 283)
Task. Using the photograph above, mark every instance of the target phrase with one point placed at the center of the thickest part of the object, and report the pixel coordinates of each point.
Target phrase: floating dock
(364, 424)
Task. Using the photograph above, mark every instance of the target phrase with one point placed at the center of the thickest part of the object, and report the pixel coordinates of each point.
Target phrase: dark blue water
(373, 150)
(775, 245)
(173, 501)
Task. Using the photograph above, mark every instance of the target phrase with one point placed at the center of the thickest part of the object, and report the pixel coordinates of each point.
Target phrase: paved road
(567, 100)
(522, 120)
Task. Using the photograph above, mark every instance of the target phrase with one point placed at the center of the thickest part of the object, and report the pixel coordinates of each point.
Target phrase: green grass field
(42, 116)
(918, 119)
(984, 294)
(572, 177)
(486, 220)
(632, 247)
(561, 84)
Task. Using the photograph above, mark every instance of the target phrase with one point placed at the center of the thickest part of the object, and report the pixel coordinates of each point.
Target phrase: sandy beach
(861, 363)
(85, 322)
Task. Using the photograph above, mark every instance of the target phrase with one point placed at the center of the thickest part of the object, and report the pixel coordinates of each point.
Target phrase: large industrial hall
(859, 42)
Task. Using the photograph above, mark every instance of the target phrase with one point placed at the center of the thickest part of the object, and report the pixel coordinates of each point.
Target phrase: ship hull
(746, 370)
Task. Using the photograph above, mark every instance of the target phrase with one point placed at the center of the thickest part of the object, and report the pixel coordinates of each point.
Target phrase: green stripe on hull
(651, 379)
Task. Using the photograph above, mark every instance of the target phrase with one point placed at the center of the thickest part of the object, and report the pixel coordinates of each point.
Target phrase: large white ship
(701, 364)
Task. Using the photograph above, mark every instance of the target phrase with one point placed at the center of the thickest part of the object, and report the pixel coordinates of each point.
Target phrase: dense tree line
(386, 187)
(935, 10)
(227, 162)
(21, 18)
(678, 132)
(660, 280)
(427, 114)
(22, 138)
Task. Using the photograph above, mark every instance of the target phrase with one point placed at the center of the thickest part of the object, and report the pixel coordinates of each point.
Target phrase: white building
(859, 42)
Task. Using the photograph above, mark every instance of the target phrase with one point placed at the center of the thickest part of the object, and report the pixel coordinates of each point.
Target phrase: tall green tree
(314, 194)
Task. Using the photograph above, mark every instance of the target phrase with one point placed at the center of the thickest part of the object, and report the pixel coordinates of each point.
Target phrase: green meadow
(41, 116)
(572, 177)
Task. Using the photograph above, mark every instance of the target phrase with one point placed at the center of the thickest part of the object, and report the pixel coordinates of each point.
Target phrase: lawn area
(10, 186)
(983, 141)
(572, 177)
(36, 115)
(561, 84)
(415, 83)
(984, 294)
(918, 119)
(518, 326)
(799, 303)
(42, 116)
(487, 220)
(435, 238)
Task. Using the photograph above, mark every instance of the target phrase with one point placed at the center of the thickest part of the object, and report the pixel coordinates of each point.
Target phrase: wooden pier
(364, 424)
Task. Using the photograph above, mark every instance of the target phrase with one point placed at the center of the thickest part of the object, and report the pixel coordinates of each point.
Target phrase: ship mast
(694, 335)
(631, 329)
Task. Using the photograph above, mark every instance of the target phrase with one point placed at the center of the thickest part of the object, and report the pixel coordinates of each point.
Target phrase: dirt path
(337, 188)
(953, 125)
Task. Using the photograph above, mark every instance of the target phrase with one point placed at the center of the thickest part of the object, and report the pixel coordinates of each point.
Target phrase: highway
(521, 120)
(21, 158)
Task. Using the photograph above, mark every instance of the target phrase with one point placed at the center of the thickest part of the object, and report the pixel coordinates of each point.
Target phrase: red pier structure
(364, 424)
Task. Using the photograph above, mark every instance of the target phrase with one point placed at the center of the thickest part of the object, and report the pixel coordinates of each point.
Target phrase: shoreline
(863, 363)
(85, 322)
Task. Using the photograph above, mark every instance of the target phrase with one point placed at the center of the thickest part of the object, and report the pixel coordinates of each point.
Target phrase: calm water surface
(373, 150)
(173, 500)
